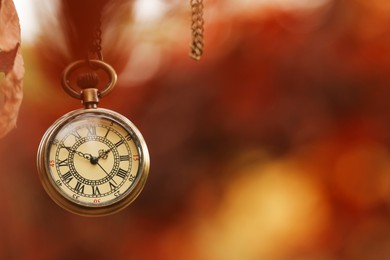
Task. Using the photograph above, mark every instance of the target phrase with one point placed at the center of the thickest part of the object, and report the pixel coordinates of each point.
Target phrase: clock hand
(104, 153)
(95, 160)
(101, 167)
(81, 154)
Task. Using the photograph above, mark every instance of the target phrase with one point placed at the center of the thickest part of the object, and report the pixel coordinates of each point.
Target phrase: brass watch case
(43, 165)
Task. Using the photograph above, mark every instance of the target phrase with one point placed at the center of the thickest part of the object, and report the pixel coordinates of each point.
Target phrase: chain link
(197, 28)
(95, 48)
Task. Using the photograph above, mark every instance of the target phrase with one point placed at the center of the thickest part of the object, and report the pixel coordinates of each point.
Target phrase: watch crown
(90, 97)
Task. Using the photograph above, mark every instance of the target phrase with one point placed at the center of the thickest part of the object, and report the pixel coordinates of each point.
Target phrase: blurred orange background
(275, 145)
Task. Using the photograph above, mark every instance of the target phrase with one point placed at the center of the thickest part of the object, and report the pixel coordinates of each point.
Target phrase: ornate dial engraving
(95, 160)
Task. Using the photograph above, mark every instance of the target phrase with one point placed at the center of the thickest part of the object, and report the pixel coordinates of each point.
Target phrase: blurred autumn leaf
(11, 64)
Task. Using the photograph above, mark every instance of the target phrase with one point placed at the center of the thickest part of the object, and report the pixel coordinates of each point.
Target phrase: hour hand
(81, 154)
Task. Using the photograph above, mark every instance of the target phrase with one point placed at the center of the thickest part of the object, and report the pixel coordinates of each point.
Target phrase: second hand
(101, 167)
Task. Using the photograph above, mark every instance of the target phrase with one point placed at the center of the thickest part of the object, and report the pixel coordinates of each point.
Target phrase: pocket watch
(92, 161)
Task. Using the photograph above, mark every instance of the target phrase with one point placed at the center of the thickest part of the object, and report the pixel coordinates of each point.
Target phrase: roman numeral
(112, 186)
(108, 130)
(91, 130)
(67, 177)
(95, 190)
(63, 162)
(121, 173)
(119, 143)
(79, 187)
(76, 135)
(124, 158)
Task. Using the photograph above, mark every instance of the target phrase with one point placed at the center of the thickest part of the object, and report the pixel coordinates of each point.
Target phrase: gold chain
(197, 27)
(95, 48)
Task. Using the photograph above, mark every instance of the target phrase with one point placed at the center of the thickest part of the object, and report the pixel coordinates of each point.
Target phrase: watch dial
(93, 159)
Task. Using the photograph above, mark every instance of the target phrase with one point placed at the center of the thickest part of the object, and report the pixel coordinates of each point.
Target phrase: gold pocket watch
(92, 161)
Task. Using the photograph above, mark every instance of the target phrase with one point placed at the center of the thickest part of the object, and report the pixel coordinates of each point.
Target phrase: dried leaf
(11, 65)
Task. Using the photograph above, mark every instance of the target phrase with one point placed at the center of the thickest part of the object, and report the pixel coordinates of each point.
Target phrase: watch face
(93, 161)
